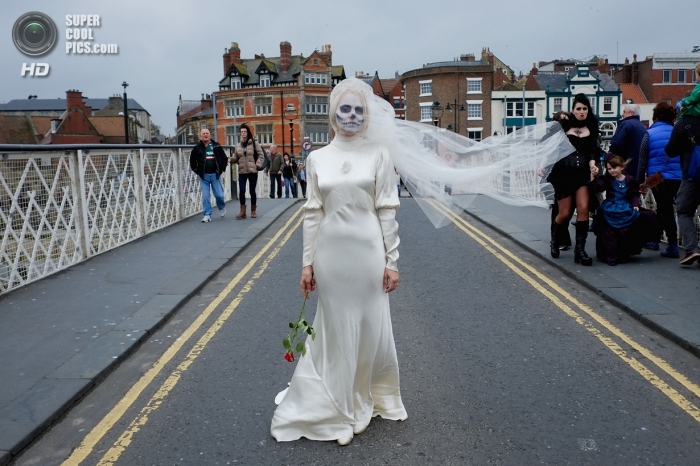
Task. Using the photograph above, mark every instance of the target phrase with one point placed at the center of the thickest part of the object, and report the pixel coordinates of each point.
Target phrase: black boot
(554, 241)
(580, 256)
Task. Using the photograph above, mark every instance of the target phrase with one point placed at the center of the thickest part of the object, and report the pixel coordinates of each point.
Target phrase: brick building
(194, 116)
(390, 89)
(454, 85)
(662, 77)
(274, 94)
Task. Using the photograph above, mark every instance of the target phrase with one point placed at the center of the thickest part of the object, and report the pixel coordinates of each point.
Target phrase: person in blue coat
(653, 159)
(627, 139)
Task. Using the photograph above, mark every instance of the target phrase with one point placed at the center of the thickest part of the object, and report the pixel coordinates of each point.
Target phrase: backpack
(266, 162)
(694, 165)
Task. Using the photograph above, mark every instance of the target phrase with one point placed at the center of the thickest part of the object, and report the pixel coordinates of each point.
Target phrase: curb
(45, 403)
(646, 321)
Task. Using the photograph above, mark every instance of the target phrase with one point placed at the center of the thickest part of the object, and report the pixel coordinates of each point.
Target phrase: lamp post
(437, 111)
(454, 109)
(126, 115)
(291, 114)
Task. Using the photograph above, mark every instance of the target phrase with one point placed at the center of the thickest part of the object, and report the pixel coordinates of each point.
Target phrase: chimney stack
(285, 55)
(327, 54)
(74, 98)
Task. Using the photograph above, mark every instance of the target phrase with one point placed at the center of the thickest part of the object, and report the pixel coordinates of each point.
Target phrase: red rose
(289, 357)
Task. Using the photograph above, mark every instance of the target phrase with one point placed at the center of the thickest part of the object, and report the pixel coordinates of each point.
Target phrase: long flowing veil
(436, 165)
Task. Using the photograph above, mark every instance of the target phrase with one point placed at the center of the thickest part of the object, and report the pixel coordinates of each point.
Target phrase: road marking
(96, 434)
(671, 393)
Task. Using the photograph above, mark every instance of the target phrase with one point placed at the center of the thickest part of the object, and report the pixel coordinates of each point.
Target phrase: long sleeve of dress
(313, 215)
(387, 202)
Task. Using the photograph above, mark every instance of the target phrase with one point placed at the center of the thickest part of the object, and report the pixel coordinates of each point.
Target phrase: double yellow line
(106, 424)
(544, 285)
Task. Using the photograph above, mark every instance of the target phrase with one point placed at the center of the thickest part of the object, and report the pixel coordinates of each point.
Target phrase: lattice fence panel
(37, 218)
(160, 189)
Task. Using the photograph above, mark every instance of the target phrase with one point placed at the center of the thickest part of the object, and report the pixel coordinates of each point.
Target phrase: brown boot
(252, 211)
(242, 214)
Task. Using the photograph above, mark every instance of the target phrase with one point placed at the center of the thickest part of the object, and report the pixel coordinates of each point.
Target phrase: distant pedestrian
(653, 159)
(250, 157)
(276, 162)
(684, 141)
(628, 136)
(208, 160)
(289, 170)
(622, 226)
(301, 175)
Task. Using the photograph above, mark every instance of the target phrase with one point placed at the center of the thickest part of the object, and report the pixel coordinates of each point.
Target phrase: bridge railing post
(140, 185)
(180, 186)
(80, 215)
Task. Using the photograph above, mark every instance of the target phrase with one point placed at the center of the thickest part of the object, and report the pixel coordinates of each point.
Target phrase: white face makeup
(350, 113)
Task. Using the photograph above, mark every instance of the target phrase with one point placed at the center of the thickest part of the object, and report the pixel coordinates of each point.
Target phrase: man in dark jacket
(208, 160)
(275, 168)
(628, 137)
(688, 197)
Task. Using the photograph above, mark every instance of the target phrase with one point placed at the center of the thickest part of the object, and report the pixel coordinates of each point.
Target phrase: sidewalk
(655, 290)
(62, 334)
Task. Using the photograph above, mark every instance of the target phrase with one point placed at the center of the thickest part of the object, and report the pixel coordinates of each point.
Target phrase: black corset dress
(573, 171)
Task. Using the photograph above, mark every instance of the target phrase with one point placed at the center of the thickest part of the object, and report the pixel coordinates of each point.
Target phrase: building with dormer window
(276, 95)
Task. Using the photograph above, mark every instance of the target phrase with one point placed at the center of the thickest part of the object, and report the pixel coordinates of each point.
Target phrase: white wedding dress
(350, 372)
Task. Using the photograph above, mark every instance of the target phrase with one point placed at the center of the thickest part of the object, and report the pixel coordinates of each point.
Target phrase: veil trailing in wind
(436, 165)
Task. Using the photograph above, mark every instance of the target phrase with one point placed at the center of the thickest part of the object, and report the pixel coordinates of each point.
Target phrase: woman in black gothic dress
(570, 177)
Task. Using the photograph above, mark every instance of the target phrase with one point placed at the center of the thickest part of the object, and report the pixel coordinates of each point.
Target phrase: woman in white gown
(350, 372)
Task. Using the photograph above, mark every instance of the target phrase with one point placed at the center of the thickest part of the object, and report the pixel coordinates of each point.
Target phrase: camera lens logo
(34, 34)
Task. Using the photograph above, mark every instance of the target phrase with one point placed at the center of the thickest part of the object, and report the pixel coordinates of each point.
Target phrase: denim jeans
(687, 201)
(289, 183)
(275, 178)
(210, 179)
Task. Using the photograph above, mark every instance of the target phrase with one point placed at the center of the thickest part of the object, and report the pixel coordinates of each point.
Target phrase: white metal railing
(59, 207)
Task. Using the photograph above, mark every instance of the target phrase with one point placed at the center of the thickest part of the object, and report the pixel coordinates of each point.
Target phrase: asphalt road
(497, 367)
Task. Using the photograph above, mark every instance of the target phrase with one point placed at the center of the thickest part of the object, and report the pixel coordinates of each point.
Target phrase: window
(317, 104)
(263, 106)
(474, 85)
(426, 87)
(426, 113)
(315, 78)
(236, 82)
(265, 80)
(317, 132)
(515, 109)
(264, 134)
(607, 104)
(397, 102)
(607, 129)
(556, 107)
(232, 135)
(666, 76)
(234, 107)
(203, 125)
(475, 134)
(474, 109)
(593, 104)
(510, 129)
(681, 76)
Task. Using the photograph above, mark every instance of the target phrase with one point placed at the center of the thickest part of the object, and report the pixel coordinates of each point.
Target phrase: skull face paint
(350, 113)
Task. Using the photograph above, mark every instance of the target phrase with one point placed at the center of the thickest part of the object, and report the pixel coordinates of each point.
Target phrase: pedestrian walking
(289, 169)
(275, 170)
(301, 175)
(653, 160)
(570, 177)
(249, 156)
(350, 372)
(628, 136)
(208, 160)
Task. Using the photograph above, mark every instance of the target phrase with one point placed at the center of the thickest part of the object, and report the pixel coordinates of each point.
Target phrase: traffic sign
(306, 145)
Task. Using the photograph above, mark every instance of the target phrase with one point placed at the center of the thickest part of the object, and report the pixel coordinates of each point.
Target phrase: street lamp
(454, 109)
(291, 114)
(437, 112)
(126, 115)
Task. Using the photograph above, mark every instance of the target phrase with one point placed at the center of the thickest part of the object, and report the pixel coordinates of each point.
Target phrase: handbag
(653, 180)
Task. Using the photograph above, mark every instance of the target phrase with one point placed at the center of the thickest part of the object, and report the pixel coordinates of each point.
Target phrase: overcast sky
(171, 48)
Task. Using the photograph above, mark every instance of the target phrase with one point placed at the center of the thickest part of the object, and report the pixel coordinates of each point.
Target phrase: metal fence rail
(60, 205)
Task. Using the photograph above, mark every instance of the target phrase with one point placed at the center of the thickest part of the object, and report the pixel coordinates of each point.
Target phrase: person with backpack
(250, 157)
(684, 141)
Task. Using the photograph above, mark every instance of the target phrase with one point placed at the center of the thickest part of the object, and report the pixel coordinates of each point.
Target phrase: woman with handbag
(662, 174)
(289, 171)
(570, 177)
(250, 157)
